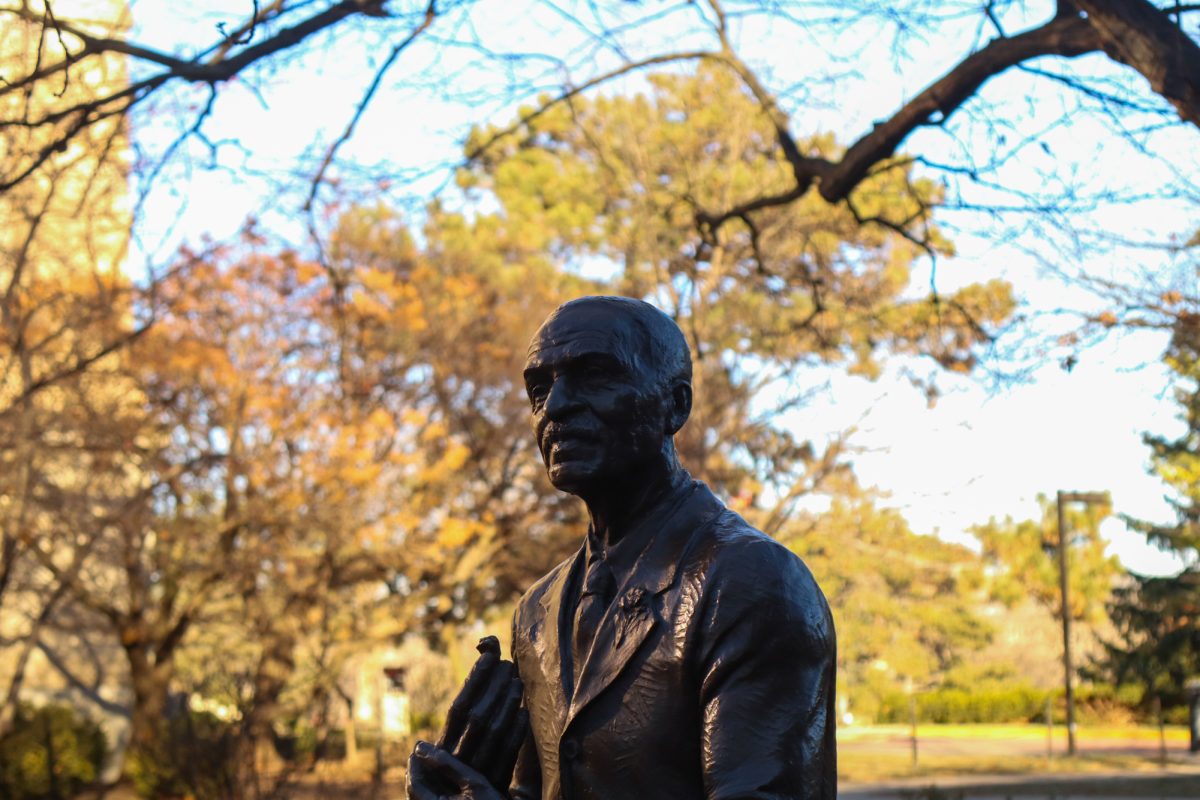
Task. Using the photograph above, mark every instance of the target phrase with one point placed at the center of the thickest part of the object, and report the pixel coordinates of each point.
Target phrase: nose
(561, 402)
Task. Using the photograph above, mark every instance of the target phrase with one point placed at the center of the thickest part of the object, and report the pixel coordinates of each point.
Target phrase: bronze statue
(680, 653)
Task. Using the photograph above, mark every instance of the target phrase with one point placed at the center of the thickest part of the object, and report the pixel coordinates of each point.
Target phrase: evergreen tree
(1158, 618)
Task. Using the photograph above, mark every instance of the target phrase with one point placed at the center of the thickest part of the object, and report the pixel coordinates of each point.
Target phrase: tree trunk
(275, 666)
(150, 681)
(351, 732)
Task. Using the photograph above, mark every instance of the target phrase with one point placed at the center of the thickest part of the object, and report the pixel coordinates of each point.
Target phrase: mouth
(566, 445)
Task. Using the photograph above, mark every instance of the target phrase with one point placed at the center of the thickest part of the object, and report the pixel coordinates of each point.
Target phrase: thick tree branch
(1063, 36)
(215, 70)
(1067, 36)
(218, 67)
(1138, 34)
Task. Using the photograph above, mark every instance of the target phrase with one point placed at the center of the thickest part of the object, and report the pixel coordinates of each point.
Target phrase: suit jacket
(711, 674)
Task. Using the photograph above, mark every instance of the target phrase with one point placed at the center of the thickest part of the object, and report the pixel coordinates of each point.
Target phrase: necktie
(598, 588)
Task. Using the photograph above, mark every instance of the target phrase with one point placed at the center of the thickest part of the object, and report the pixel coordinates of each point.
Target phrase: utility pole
(912, 719)
(1088, 498)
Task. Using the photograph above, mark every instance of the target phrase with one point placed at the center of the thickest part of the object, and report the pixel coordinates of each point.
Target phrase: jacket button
(570, 749)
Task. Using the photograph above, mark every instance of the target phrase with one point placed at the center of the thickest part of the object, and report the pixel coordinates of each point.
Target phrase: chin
(572, 478)
(569, 483)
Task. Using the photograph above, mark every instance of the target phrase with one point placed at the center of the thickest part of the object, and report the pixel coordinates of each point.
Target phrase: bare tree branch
(430, 16)
(480, 148)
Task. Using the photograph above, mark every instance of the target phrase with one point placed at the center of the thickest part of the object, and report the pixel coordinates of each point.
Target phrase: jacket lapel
(556, 629)
(633, 614)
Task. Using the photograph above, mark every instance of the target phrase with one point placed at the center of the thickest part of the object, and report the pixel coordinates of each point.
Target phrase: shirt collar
(622, 556)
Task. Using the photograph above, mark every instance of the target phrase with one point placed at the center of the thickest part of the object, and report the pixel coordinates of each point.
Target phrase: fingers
(489, 759)
(510, 750)
(482, 713)
(476, 684)
(489, 644)
(428, 762)
(418, 783)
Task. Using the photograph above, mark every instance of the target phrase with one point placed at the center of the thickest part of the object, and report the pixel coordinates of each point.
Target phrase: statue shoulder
(530, 601)
(744, 571)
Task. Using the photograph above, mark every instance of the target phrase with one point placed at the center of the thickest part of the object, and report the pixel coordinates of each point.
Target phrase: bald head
(649, 340)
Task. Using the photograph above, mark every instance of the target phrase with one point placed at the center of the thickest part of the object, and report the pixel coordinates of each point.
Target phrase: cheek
(641, 422)
(620, 408)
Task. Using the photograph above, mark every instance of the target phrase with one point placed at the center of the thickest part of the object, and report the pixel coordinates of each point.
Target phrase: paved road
(1176, 783)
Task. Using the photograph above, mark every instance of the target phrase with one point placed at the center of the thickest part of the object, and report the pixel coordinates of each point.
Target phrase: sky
(986, 448)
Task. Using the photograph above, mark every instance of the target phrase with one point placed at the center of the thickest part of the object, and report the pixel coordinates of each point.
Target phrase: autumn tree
(67, 414)
(1024, 553)
(763, 302)
(437, 335)
(905, 605)
(331, 456)
(1023, 566)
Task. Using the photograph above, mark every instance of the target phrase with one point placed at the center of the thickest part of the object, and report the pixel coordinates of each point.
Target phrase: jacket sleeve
(766, 669)
(527, 774)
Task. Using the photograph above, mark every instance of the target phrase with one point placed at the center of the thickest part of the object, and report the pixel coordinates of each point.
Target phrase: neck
(618, 505)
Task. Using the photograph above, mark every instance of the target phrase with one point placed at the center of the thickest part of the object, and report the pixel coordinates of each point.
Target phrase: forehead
(581, 330)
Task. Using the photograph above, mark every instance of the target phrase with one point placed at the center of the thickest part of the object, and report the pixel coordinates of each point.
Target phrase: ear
(681, 406)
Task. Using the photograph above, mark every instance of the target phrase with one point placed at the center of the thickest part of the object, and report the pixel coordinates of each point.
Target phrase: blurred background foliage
(240, 491)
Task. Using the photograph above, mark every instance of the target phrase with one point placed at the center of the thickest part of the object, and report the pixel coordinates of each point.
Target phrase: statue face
(599, 405)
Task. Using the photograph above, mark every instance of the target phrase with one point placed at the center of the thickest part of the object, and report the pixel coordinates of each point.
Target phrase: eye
(596, 373)
(537, 393)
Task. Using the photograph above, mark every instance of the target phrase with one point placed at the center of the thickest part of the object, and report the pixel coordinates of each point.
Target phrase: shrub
(194, 757)
(51, 751)
(1102, 703)
(993, 704)
(998, 703)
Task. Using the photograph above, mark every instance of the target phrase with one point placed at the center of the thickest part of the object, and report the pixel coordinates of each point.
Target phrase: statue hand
(434, 774)
(486, 725)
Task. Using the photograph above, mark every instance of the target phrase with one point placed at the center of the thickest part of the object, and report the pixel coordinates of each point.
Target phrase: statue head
(609, 384)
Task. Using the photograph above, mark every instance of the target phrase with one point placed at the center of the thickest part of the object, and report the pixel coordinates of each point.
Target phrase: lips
(566, 448)
(561, 444)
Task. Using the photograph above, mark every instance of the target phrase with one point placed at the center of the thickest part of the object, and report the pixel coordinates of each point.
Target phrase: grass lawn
(879, 754)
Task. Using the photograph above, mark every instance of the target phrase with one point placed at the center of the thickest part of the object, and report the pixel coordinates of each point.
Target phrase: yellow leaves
(190, 360)
(368, 305)
(457, 532)
(394, 300)
(380, 422)
(444, 467)
(432, 432)
(361, 474)
(382, 282)
(456, 455)
(307, 272)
